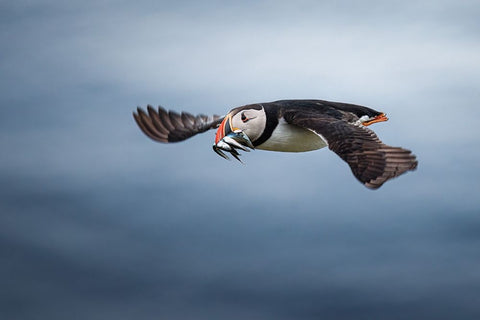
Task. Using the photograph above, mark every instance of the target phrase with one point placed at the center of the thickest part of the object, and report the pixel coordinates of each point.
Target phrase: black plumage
(341, 125)
(371, 161)
(169, 126)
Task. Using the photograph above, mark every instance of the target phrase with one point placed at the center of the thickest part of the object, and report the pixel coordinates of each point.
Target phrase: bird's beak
(224, 128)
(230, 139)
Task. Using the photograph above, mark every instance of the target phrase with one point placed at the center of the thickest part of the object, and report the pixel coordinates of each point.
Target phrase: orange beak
(380, 118)
(224, 128)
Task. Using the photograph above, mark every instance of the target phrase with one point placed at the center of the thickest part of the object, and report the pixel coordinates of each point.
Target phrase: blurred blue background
(99, 222)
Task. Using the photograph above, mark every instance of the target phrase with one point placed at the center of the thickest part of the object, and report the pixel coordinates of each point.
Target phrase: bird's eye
(244, 117)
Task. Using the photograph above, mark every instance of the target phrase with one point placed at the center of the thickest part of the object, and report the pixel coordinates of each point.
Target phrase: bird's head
(239, 128)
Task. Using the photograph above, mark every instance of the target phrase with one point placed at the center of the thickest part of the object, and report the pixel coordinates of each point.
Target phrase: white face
(251, 121)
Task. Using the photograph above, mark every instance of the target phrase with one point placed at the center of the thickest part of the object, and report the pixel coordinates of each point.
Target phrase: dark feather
(372, 162)
(168, 126)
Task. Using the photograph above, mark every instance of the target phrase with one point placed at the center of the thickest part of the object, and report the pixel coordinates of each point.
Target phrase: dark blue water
(135, 246)
(98, 222)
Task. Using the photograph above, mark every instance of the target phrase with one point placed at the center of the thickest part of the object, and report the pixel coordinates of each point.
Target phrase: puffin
(290, 126)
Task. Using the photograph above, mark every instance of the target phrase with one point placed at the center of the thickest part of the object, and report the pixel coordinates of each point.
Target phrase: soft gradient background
(99, 222)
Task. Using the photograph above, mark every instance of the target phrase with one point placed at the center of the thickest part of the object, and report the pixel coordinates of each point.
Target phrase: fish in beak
(230, 139)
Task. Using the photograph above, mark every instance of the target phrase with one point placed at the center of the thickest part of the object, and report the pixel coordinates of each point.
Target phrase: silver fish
(231, 142)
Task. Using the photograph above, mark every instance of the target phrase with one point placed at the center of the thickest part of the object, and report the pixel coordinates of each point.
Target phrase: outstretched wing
(372, 162)
(168, 126)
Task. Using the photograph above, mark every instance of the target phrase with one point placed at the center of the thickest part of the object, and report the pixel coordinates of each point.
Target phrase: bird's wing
(168, 126)
(372, 162)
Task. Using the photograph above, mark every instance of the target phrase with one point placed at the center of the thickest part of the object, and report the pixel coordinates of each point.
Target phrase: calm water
(146, 249)
(98, 222)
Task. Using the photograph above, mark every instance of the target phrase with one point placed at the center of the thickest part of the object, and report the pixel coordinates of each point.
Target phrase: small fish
(232, 142)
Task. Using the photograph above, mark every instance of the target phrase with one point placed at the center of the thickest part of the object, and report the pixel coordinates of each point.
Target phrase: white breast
(290, 138)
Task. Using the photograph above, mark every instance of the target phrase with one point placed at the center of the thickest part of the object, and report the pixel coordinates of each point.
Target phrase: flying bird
(290, 126)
